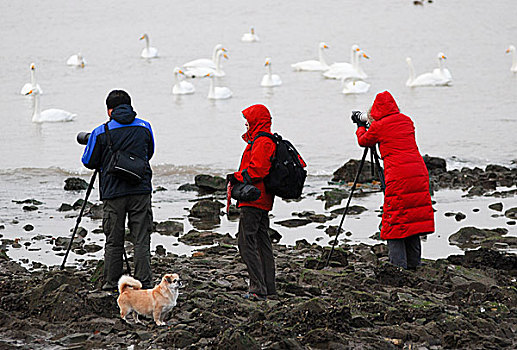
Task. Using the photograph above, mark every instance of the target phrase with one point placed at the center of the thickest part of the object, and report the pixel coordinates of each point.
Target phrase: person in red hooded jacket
(253, 239)
(407, 209)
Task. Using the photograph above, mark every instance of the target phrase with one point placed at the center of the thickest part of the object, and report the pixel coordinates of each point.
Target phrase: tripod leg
(379, 169)
(78, 221)
(347, 204)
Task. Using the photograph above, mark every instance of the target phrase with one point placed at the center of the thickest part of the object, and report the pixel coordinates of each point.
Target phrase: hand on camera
(356, 119)
(231, 179)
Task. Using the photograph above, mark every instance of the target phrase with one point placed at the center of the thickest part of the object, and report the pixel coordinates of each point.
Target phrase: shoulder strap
(275, 138)
(106, 130)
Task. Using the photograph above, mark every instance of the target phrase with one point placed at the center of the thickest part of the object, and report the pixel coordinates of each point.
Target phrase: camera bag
(287, 174)
(123, 164)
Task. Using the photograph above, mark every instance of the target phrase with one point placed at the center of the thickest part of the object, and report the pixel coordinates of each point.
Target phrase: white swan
(206, 62)
(441, 71)
(270, 79)
(313, 65)
(49, 115)
(32, 85)
(181, 87)
(217, 71)
(426, 79)
(217, 92)
(76, 60)
(511, 49)
(148, 51)
(250, 37)
(342, 70)
(354, 86)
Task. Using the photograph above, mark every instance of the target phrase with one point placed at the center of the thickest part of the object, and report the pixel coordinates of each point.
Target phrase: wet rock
(178, 339)
(75, 338)
(29, 207)
(333, 197)
(92, 248)
(352, 210)
(496, 206)
(332, 230)
(471, 237)
(79, 203)
(210, 183)
(349, 170)
(237, 339)
(95, 212)
(511, 213)
(28, 227)
(28, 201)
(304, 214)
(159, 189)
(75, 184)
(293, 222)
(160, 250)
(435, 164)
(476, 191)
(511, 222)
(169, 228)
(65, 207)
(2, 227)
(196, 238)
(319, 218)
(206, 209)
(188, 188)
(460, 216)
(234, 212)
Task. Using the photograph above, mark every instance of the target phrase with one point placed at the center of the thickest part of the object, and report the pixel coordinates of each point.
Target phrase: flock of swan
(351, 74)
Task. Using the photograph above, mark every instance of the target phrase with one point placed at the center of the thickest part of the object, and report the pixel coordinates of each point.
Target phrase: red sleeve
(367, 138)
(260, 162)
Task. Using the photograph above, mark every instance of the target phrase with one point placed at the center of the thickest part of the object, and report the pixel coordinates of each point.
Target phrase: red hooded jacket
(257, 159)
(407, 206)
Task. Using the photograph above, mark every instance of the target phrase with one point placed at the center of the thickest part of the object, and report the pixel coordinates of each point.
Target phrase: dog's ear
(168, 280)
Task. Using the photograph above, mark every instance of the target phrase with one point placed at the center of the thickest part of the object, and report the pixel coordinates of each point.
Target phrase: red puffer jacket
(256, 160)
(407, 203)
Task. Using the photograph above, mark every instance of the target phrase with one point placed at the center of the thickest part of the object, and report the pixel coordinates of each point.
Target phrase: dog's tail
(128, 281)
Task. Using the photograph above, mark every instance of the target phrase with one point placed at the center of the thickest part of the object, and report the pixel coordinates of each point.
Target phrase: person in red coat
(407, 210)
(253, 238)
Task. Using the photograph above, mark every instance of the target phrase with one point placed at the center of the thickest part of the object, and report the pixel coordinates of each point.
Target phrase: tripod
(78, 221)
(375, 164)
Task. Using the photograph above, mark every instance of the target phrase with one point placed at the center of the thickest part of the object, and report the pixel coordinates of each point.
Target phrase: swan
(313, 65)
(250, 37)
(354, 86)
(426, 79)
(341, 70)
(148, 51)
(217, 92)
(32, 85)
(511, 49)
(203, 71)
(206, 62)
(76, 60)
(49, 115)
(181, 87)
(270, 79)
(441, 71)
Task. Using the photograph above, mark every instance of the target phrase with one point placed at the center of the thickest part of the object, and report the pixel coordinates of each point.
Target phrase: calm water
(470, 123)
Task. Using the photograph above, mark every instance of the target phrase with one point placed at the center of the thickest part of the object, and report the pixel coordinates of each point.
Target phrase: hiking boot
(254, 297)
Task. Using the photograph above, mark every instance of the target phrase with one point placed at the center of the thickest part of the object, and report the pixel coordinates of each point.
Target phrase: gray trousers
(405, 252)
(256, 250)
(140, 222)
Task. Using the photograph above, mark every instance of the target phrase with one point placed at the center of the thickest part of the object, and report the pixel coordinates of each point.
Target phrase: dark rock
(65, 207)
(210, 183)
(333, 197)
(319, 218)
(237, 339)
(349, 170)
(92, 248)
(470, 237)
(332, 230)
(159, 189)
(304, 214)
(29, 207)
(178, 339)
(194, 237)
(496, 206)
(75, 184)
(28, 227)
(169, 228)
(233, 212)
(293, 222)
(160, 250)
(352, 210)
(74, 338)
(511, 213)
(460, 216)
(274, 235)
(79, 203)
(476, 191)
(435, 164)
(188, 188)
(28, 201)
(95, 212)
(511, 222)
(206, 209)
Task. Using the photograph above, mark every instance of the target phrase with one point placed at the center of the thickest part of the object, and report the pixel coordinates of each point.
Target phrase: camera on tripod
(82, 137)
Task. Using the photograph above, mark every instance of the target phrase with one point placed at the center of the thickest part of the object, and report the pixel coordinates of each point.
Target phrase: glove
(355, 119)
(230, 178)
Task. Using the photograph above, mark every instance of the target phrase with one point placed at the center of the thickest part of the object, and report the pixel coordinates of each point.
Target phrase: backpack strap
(110, 143)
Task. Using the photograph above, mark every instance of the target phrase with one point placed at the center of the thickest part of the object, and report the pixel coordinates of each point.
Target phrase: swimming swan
(250, 37)
(441, 71)
(181, 87)
(354, 86)
(217, 92)
(32, 85)
(511, 49)
(76, 60)
(49, 115)
(341, 70)
(148, 51)
(206, 62)
(270, 79)
(313, 65)
(217, 71)
(437, 78)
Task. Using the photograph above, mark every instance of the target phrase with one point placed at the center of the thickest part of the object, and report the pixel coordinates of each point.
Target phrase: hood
(259, 119)
(383, 105)
(124, 114)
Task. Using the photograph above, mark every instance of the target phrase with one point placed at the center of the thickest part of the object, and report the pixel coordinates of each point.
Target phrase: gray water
(470, 123)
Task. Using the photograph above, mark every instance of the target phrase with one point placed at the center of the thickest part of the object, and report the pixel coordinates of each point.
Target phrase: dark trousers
(256, 250)
(405, 252)
(140, 222)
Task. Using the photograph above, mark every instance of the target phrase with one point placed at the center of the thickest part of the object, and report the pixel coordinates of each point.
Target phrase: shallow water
(469, 123)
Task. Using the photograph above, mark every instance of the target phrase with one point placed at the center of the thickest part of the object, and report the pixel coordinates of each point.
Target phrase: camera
(82, 137)
(360, 116)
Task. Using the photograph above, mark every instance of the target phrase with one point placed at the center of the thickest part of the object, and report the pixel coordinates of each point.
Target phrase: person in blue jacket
(121, 197)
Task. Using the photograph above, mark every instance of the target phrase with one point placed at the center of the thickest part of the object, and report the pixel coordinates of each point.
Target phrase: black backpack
(287, 174)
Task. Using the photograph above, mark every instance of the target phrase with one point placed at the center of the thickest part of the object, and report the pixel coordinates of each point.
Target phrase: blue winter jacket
(127, 133)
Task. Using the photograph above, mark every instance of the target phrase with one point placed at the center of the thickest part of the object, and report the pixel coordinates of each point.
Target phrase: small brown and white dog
(149, 302)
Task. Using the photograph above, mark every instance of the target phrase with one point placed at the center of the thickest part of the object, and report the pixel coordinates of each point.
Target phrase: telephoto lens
(82, 137)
